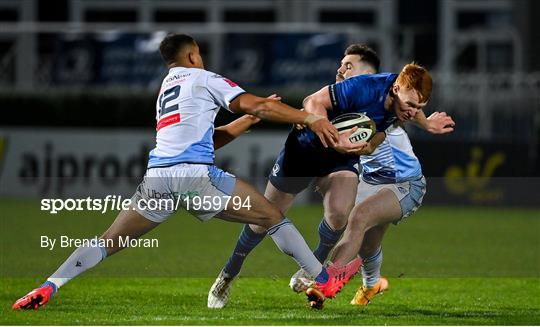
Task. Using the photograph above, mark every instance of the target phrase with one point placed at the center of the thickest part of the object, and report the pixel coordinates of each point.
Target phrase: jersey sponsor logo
(231, 83)
(228, 81)
(167, 121)
(176, 77)
(189, 195)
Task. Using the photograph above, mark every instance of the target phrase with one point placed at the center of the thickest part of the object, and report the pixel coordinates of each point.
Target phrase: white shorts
(410, 194)
(201, 189)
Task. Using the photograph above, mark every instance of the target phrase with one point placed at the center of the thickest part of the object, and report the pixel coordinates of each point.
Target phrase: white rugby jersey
(393, 161)
(187, 104)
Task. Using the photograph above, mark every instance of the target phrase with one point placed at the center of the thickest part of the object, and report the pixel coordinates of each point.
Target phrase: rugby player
(183, 163)
(391, 188)
(338, 180)
(392, 161)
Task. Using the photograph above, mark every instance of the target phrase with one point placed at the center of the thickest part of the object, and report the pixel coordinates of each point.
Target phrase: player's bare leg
(251, 236)
(128, 223)
(373, 240)
(281, 200)
(372, 256)
(267, 216)
(262, 217)
(328, 280)
(379, 209)
(339, 191)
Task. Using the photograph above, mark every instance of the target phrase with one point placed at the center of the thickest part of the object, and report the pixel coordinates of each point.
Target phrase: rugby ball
(366, 126)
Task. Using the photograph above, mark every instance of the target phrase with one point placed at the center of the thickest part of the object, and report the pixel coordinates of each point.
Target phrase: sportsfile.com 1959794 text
(191, 201)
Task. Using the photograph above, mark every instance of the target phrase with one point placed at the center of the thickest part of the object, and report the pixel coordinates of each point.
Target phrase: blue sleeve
(352, 94)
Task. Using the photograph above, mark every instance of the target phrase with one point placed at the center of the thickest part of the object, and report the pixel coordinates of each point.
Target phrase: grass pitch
(266, 301)
(463, 266)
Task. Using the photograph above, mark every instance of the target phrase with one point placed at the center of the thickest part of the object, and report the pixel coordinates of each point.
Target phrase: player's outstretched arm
(436, 123)
(269, 109)
(225, 134)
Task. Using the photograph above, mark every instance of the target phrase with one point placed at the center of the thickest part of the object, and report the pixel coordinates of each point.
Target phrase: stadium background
(78, 80)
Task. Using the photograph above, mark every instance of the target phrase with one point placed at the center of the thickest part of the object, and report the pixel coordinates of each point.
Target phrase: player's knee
(337, 216)
(272, 221)
(258, 229)
(360, 220)
(358, 225)
(271, 218)
(336, 222)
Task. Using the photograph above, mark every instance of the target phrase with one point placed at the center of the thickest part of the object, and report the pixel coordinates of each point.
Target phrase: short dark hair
(366, 53)
(172, 44)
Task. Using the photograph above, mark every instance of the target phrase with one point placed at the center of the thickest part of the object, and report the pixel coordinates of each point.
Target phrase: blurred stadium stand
(481, 52)
(94, 63)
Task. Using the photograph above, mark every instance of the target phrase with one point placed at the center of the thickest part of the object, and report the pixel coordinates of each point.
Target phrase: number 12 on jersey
(166, 107)
(169, 95)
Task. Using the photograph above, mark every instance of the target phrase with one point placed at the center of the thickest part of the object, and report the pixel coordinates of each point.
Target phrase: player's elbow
(312, 101)
(316, 104)
(250, 104)
(261, 108)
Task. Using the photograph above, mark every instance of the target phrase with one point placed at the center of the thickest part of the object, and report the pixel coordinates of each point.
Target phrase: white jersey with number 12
(187, 104)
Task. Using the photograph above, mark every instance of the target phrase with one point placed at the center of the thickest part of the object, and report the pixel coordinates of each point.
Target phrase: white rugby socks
(289, 241)
(78, 262)
(371, 270)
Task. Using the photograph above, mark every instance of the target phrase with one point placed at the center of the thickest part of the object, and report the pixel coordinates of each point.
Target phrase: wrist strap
(311, 118)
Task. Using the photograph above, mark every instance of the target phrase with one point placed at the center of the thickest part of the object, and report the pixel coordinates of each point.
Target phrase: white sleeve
(223, 90)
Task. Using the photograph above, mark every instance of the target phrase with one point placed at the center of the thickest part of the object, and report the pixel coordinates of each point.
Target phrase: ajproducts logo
(472, 181)
(54, 172)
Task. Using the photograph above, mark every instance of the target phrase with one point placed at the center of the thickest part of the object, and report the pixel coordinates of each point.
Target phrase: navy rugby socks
(327, 240)
(247, 241)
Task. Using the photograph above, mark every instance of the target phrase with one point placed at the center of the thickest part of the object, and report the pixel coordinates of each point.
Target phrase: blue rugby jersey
(359, 94)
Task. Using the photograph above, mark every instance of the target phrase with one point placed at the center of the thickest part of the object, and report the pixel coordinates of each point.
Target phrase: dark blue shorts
(297, 166)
